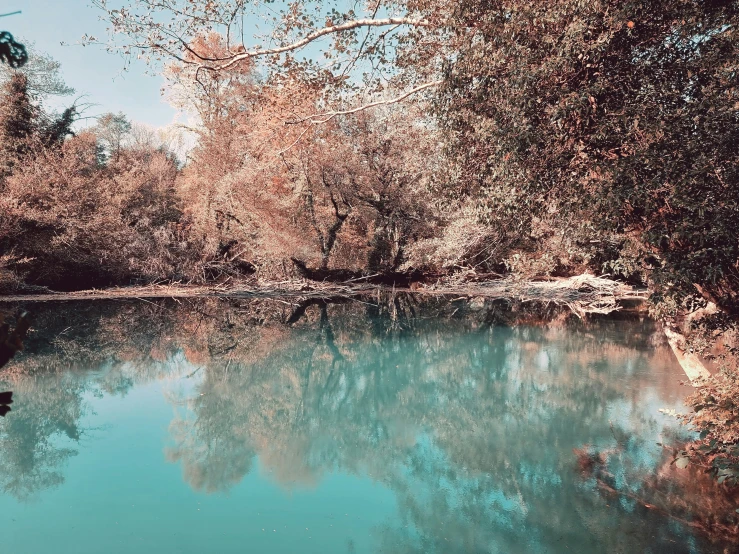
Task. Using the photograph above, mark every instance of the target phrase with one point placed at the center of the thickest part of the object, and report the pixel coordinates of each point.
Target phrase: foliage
(347, 193)
(42, 73)
(579, 136)
(67, 219)
(716, 407)
(619, 115)
(715, 403)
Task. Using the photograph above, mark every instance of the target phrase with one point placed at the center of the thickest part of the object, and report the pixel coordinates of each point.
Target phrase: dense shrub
(71, 220)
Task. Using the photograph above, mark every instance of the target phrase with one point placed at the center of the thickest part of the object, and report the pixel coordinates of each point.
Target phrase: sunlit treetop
(339, 45)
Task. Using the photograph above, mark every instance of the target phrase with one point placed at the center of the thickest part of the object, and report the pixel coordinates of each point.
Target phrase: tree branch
(328, 116)
(315, 35)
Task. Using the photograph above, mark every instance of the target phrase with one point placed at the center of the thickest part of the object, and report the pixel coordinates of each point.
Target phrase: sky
(93, 72)
(90, 70)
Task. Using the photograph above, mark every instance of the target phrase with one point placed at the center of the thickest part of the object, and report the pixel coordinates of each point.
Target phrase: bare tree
(359, 46)
(42, 73)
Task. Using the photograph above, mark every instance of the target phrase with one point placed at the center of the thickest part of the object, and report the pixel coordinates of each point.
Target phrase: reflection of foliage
(471, 421)
(502, 410)
(127, 343)
(686, 494)
(11, 341)
(212, 460)
(30, 454)
(49, 387)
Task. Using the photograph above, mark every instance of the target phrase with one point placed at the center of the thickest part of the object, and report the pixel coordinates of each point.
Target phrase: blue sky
(90, 70)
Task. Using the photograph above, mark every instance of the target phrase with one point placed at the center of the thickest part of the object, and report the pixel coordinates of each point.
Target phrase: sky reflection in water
(212, 426)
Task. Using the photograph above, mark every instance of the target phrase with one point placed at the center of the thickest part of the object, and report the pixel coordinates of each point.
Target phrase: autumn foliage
(71, 219)
(489, 137)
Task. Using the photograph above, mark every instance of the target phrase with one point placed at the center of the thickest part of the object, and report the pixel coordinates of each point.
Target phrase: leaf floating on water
(682, 462)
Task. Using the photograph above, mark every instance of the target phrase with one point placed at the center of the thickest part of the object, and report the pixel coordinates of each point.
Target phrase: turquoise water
(215, 426)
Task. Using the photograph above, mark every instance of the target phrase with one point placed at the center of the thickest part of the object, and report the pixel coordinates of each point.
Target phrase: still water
(374, 426)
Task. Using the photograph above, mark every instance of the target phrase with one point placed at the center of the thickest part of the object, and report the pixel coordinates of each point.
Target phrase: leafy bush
(620, 116)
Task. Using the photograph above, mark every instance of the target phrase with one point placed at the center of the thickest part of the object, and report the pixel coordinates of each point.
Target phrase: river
(390, 425)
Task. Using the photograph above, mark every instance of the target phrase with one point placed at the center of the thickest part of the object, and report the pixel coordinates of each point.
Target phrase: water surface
(394, 426)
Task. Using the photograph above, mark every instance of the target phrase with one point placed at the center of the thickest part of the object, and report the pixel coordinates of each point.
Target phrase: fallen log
(691, 364)
(388, 278)
(582, 294)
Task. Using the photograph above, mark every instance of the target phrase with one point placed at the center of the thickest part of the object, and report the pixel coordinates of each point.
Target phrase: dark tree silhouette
(11, 52)
(10, 343)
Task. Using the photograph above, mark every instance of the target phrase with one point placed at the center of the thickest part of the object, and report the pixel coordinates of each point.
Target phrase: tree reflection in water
(11, 341)
(473, 422)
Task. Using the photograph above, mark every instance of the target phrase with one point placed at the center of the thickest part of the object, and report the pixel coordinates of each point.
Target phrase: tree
(366, 49)
(25, 128)
(605, 117)
(18, 123)
(112, 130)
(42, 74)
(363, 188)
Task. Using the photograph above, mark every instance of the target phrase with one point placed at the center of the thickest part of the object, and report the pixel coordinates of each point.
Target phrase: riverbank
(583, 294)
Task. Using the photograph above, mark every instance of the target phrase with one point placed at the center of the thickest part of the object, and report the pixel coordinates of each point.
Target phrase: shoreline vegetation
(582, 294)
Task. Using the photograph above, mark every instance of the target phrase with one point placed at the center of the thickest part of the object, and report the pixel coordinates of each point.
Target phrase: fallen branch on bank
(293, 289)
(582, 294)
(691, 364)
